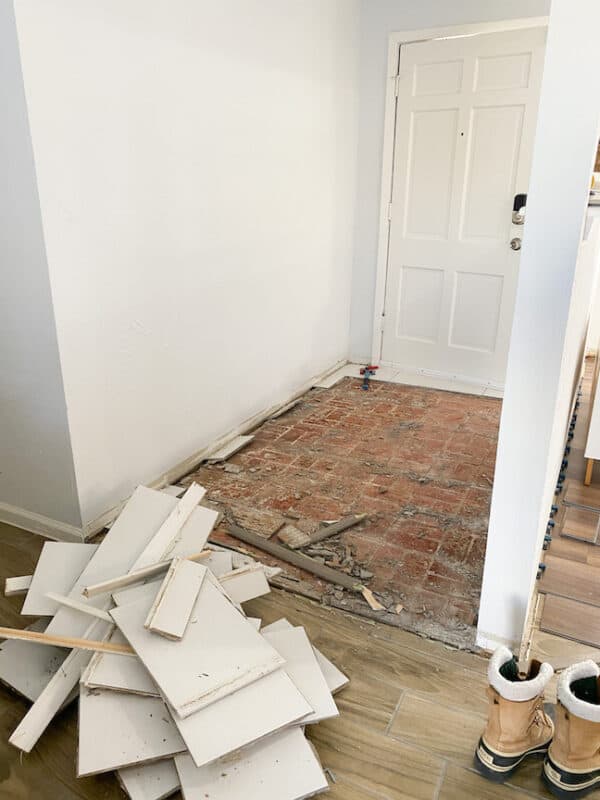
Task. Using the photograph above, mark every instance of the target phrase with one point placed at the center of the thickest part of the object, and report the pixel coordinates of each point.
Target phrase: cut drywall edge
(172, 475)
(13, 587)
(154, 781)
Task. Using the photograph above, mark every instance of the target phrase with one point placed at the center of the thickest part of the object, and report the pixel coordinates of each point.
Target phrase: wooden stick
(305, 562)
(85, 608)
(138, 575)
(297, 559)
(336, 527)
(66, 641)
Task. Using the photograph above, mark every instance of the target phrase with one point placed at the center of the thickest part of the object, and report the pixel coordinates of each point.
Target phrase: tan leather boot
(517, 725)
(572, 766)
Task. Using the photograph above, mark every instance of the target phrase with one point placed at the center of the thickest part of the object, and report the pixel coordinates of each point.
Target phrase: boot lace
(539, 717)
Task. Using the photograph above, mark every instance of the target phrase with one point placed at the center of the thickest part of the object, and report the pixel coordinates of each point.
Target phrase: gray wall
(36, 465)
(379, 18)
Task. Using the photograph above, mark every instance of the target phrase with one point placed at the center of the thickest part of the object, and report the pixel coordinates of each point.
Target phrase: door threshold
(393, 373)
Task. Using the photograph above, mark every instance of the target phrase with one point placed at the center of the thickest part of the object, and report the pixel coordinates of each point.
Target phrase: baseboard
(490, 641)
(187, 465)
(37, 523)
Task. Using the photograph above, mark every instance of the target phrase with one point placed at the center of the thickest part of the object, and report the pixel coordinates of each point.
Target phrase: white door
(465, 125)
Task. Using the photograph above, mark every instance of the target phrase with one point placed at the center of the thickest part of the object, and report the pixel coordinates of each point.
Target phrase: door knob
(515, 243)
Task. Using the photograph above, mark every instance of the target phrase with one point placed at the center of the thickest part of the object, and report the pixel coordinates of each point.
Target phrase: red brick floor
(418, 461)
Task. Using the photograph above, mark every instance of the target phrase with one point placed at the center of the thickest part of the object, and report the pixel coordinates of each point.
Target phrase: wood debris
(18, 585)
(295, 538)
(311, 565)
(160, 659)
(229, 449)
(266, 523)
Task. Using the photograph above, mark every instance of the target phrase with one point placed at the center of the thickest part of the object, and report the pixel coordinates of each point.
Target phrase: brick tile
(414, 459)
(446, 586)
(420, 601)
(455, 545)
(408, 564)
(319, 507)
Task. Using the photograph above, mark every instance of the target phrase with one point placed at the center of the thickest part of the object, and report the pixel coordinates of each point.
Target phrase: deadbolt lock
(518, 212)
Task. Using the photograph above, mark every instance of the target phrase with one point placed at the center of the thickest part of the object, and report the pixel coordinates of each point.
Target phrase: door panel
(445, 77)
(431, 171)
(502, 72)
(492, 160)
(420, 300)
(476, 311)
(465, 124)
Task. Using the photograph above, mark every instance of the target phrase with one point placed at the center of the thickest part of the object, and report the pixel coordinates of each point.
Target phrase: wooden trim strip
(173, 605)
(163, 541)
(66, 641)
(139, 575)
(85, 608)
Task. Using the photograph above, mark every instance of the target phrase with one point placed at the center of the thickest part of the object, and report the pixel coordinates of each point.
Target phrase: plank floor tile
(449, 732)
(461, 783)
(528, 779)
(376, 763)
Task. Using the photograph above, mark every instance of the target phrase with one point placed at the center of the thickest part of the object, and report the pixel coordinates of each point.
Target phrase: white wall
(36, 467)
(379, 18)
(551, 311)
(196, 170)
(593, 334)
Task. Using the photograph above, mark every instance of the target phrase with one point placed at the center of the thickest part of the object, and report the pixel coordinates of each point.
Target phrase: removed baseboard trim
(37, 523)
(187, 465)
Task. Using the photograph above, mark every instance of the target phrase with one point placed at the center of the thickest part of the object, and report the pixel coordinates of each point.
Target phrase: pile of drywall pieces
(177, 687)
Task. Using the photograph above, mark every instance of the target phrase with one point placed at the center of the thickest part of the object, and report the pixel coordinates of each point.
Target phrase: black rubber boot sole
(572, 785)
(498, 768)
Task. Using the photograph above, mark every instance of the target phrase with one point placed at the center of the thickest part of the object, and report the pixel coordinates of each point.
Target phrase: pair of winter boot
(519, 726)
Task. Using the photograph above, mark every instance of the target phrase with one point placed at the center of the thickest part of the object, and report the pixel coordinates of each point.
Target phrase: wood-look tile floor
(409, 721)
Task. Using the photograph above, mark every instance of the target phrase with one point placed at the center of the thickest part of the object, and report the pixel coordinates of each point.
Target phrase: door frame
(396, 40)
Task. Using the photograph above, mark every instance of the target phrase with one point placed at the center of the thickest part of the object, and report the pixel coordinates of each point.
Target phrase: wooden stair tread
(580, 523)
(576, 494)
(571, 619)
(571, 549)
(571, 579)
